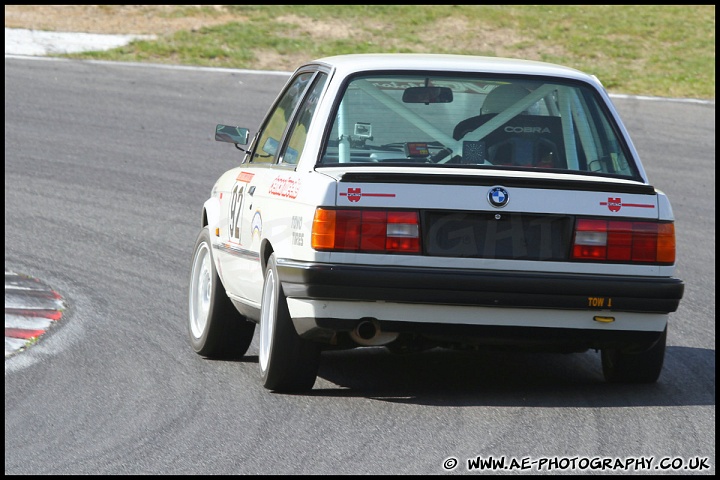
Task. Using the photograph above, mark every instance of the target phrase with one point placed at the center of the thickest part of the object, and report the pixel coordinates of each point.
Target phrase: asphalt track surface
(106, 168)
(32, 307)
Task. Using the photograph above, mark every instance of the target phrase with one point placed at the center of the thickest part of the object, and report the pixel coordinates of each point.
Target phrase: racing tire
(641, 367)
(288, 363)
(216, 328)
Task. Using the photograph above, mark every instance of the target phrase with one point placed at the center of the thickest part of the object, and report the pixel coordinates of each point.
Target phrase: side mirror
(236, 135)
(427, 95)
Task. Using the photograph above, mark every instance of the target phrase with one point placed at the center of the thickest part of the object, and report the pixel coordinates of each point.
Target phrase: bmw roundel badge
(498, 197)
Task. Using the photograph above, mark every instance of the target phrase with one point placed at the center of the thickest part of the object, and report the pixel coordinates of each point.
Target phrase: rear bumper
(460, 287)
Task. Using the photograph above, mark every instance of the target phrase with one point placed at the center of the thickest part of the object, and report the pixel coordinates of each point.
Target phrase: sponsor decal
(245, 177)
(256, 224)
(298, 237)
(498, 197)
(615, 204)
(473, 87)
(511, 129)
(285, 187)
(354, 194)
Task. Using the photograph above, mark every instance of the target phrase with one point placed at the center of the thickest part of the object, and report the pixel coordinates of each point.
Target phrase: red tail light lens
(624, 241)
(360, 230)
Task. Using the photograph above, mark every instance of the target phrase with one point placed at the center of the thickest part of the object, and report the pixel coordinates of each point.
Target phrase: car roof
(354, 63)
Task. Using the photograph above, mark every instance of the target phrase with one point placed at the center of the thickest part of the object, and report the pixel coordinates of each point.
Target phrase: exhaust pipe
(367, 333)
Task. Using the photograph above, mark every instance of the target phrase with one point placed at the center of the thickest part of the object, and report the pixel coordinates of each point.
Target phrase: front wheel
(630, 367)
(215, 327)
(288, 363)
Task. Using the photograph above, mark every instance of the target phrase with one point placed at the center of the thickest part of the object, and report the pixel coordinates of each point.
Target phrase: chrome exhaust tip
(368, 333)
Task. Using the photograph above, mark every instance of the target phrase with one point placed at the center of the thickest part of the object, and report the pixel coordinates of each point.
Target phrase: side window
(298, 132)
(268, 144)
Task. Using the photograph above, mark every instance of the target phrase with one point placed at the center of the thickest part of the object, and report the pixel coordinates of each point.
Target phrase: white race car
(420, 201)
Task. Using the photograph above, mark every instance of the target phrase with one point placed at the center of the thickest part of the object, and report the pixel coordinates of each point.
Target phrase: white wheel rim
(267, 320)
(200, 290)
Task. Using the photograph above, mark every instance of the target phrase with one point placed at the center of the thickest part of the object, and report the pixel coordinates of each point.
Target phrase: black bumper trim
(480, 288)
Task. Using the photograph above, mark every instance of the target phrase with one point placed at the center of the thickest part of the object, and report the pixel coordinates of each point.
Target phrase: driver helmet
(502, 97)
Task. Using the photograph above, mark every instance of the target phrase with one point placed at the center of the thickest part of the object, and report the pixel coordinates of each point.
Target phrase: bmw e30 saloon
(434, 201)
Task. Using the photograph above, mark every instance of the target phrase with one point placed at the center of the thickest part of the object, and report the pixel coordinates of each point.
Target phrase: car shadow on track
(507, 378)
(456, 378)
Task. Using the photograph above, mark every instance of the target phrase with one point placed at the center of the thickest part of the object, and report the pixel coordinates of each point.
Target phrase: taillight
(363, 230)
(624, 241)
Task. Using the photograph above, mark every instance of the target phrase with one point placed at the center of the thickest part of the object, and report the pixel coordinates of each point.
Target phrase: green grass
(666, 51)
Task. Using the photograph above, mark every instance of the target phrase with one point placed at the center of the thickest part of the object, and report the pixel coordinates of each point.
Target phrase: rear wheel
(287, 362)
(629, 367)
(215, 327)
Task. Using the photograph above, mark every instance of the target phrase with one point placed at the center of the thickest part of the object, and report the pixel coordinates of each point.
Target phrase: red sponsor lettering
(285, 187)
